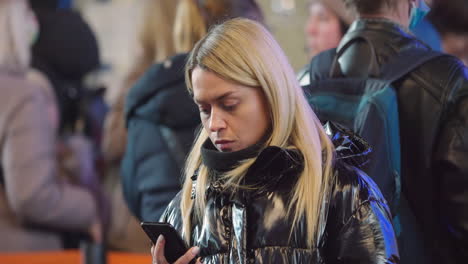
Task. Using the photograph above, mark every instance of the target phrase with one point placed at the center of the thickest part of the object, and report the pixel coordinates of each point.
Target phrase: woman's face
(234, 116)
(323, 29)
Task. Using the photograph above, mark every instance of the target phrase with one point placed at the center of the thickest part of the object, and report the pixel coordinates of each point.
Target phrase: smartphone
(175, 246)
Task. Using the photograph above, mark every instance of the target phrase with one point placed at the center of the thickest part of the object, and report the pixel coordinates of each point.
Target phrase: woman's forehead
(208, 85)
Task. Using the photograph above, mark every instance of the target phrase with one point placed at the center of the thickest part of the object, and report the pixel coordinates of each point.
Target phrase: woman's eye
(229, 106)
(204, 111)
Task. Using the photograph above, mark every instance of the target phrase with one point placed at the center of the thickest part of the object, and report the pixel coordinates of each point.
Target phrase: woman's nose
(217, 122)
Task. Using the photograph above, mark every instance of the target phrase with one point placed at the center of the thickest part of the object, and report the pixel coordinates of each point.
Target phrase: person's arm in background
(34, 191)
(150, 176)
(451, 170)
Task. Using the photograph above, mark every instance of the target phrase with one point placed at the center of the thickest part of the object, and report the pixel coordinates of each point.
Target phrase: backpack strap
(348, 41)
(406, 62)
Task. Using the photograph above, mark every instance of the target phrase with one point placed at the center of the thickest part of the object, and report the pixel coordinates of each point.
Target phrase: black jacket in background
(66, 51)
(433, 113)
(161, 121)
(251, 225)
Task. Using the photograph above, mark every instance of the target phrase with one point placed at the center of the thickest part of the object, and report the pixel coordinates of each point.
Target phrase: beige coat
(32, 194)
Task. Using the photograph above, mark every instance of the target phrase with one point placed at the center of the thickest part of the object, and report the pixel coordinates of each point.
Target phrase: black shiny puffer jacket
(251, 226)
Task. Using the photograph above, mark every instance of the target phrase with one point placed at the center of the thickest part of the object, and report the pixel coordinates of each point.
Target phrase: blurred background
(79, 59)
(115, 21)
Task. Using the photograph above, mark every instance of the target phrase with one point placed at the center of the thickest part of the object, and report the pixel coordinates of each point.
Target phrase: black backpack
(369, 107)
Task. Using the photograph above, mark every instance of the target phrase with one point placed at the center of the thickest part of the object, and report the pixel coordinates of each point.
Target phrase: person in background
(36, 206)
(66, 51)
(432, 106)
(451, 20)
(326, 24)
(155, 45)
(263, 182)
(160, 115)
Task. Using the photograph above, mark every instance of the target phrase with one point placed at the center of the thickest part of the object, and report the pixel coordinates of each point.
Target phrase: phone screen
(174, 247)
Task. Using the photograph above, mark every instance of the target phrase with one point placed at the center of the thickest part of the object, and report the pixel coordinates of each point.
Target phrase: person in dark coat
(65, 51)
(433, 110)
(263, 182)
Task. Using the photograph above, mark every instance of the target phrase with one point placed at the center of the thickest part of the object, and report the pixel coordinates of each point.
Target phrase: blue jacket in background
(161, 120)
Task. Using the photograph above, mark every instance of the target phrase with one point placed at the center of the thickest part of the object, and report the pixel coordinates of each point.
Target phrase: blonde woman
(161, 116)
(262, 182)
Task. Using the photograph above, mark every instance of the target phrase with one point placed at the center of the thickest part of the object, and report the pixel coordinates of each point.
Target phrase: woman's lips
(224, 145)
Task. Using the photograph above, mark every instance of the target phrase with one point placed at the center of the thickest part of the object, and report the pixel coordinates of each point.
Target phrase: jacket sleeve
(34, 191)
(360, 229)
(150, 175)
(451, 168)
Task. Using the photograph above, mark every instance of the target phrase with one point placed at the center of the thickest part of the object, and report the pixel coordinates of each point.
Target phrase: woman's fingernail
(160, 239)
(195, 251)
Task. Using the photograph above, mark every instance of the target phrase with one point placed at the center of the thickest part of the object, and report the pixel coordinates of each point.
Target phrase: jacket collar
(381, 32)
(277, 168)
(379, 25)
(272, 165)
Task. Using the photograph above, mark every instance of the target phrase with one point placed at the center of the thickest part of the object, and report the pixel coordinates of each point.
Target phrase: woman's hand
(157, 251)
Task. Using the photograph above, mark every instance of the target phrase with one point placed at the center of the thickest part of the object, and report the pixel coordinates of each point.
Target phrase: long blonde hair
(155, 37)
(195, 17)
(15, 40)
(243, 51)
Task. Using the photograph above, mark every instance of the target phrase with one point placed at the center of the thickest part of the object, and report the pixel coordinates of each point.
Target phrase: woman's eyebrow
(217, 99)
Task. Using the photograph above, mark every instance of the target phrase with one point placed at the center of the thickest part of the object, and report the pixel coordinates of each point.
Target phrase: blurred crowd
(76, 167)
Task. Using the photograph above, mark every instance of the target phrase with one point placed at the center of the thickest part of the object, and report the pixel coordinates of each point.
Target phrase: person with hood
(66, 51)
(37, 207)
(155, 45)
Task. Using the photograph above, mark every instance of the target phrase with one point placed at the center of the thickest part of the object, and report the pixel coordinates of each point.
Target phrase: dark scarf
(224, 161)
(276, 169)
